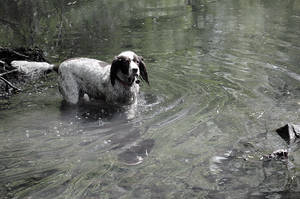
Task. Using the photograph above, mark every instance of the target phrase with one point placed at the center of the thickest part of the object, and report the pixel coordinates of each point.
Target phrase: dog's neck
(124, 83)
(125, 93)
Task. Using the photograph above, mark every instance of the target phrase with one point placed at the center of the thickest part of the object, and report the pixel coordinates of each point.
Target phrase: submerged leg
(69, 89)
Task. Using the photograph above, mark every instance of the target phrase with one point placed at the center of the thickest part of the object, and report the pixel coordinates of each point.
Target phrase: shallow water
(223, 76)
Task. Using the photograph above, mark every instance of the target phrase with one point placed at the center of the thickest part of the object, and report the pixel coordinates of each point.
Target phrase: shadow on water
(73, 144)
(112, 122)
(224, 75)
(92, 111)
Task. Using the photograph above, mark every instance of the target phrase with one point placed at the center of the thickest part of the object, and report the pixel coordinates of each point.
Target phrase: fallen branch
(8, 72)
(10, 84)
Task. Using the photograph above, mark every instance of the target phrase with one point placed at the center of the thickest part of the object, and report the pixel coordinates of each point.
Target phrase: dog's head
(127, 67)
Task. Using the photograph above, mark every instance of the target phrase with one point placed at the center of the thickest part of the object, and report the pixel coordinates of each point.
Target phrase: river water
(223, 76)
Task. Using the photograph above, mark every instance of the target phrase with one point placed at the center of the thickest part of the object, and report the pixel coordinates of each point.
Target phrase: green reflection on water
(222, 74)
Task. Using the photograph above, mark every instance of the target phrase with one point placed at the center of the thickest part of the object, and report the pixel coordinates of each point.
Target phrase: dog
(117, 83)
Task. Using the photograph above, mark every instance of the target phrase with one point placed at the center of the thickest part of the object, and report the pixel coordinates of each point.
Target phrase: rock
(289, 132)
(136, 154)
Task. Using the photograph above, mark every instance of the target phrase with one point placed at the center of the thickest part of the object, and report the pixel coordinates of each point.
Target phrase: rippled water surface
(223, 76)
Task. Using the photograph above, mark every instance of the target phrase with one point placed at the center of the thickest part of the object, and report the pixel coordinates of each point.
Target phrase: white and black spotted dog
(117, 83)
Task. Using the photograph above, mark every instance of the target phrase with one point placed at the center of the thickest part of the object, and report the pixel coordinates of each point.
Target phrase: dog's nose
(134, 70)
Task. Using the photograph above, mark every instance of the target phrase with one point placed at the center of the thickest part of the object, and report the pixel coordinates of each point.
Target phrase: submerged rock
(136, 154)
(289, 132)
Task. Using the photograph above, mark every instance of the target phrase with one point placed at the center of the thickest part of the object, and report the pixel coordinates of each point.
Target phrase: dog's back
(82, 75)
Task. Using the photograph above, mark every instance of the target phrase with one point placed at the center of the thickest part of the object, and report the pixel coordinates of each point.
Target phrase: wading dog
(117, 83)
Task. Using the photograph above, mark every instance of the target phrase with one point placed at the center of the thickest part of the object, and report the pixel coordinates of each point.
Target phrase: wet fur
(98, 79)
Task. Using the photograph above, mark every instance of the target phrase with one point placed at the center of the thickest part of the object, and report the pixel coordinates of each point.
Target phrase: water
(223, 75)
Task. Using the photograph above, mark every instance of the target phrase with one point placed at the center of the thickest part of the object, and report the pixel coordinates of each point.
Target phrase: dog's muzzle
(133, 78)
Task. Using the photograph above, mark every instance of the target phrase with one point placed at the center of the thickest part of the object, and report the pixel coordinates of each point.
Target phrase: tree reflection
(66, 28)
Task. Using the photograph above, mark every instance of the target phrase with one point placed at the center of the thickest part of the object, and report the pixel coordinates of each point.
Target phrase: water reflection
(224, 74)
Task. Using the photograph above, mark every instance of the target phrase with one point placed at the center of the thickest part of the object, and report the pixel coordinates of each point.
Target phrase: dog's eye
(126, 61)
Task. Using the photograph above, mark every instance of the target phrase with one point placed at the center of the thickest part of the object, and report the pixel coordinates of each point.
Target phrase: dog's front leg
(131, 110)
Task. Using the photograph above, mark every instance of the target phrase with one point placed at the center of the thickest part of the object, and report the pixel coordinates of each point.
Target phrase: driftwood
(11, 76)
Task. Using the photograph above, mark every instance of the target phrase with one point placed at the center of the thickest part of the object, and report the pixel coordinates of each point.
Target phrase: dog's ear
(143, 71)
(113, 70)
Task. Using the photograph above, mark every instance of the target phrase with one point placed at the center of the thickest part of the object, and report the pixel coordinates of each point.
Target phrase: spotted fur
(116, 83)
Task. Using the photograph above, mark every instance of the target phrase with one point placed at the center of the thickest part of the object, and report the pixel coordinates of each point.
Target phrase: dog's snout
(134, 70)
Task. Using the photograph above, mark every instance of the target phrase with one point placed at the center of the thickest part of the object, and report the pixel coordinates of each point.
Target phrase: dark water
(223, 74)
